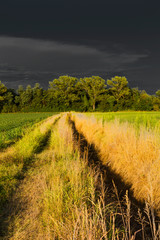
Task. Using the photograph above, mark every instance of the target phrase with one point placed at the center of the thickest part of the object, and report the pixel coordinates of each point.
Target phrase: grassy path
(14, 125)
(63, 191)
(57, 197)
(15, 162)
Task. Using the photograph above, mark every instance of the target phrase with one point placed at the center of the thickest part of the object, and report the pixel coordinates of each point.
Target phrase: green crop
(13, 125)
(149, 120)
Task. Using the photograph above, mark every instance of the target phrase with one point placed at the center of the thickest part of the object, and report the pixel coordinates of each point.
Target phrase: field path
(21, 157)
(65, 187)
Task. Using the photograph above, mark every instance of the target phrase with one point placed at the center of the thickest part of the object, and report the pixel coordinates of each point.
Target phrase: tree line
(68, 93)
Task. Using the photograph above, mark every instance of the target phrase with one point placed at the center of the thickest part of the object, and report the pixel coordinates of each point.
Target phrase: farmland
(83, 176)
(12, 126)
(149, 120)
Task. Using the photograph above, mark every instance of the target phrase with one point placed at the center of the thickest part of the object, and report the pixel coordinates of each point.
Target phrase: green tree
(18, 99)
(3, 91)
(37, 96)
(145, 102)
(37, 90)
(26, 96)
(121, 92)
(94, 87)
(20, 89)
(156, 103)
(158, 93)
(63, 90)
(135, 98)
(119, 87)
(9, 102)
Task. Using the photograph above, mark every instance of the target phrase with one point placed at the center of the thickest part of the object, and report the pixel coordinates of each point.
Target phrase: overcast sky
(43, 39)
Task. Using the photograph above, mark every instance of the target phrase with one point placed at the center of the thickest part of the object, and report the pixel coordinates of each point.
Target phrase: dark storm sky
(42, 39)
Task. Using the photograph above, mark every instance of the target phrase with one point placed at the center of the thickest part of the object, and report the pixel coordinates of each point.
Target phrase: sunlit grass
(149, 120)
(136, 158)
(15, 159)
(56, 194)
(62, 203)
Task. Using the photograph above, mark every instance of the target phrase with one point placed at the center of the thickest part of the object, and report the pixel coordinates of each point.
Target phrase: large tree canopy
(3, 90)
(94, 86)
(119, 86)
(64, 89)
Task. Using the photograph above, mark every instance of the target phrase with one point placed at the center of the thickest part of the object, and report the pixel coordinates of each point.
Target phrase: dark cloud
(46, 37)
(21, 57)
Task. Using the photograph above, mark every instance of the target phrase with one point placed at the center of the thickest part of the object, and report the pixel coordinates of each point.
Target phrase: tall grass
(60, 197)
(149, 120)
(135, 158)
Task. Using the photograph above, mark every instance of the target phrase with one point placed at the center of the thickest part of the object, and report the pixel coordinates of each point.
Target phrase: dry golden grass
(136, 158)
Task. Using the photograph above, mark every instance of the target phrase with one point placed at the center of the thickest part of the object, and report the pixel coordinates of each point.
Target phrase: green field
(13, 125)
(149, 120)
